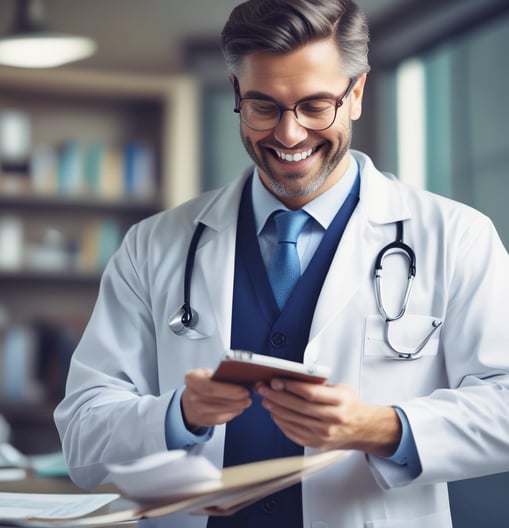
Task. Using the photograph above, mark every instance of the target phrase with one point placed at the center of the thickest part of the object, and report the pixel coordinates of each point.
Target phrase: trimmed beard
(279, 188)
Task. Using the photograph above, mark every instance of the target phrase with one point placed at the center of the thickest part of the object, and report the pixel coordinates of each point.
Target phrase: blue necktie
(284, 268)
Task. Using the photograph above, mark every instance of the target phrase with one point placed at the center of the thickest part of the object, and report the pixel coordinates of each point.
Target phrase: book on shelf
(34, 359)
(139, 170)
(43, 170)
(18, 361)
(104, 172)
(12, 239)
(70, 169)
(98, 169)
(100, 239)
(93, 165)
(87, 249)
(15, 139)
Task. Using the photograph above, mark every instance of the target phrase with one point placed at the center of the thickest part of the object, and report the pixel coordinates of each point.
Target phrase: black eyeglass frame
(338, 104)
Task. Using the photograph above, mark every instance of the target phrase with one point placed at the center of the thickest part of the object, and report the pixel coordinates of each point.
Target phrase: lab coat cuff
(404, 465)
(177, 434)
(406, 454)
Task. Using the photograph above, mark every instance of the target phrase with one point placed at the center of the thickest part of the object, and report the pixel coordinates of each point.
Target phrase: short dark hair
(281, 26)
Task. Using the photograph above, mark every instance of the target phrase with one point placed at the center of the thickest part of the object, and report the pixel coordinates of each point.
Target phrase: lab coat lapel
(348, 269)
(381, 202)
(215, 256)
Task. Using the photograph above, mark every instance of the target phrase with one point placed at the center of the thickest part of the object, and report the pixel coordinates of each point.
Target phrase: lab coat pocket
(405, 334)
(435, 520)
(385, 379)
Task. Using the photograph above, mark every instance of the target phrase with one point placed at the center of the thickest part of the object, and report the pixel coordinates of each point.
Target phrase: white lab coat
(129, 362)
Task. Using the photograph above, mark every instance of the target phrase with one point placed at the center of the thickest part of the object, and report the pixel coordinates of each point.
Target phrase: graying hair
(281, 26)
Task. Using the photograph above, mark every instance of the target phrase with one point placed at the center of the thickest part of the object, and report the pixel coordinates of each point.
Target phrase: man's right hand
(206, 403)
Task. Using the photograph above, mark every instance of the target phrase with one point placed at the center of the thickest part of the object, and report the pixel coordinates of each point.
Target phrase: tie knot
(289, 224)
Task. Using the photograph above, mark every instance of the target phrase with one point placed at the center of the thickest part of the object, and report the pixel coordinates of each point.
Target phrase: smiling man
(287, 261)
(295, 126)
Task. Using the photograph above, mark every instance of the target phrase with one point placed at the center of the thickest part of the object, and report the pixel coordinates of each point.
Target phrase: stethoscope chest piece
(183, 320)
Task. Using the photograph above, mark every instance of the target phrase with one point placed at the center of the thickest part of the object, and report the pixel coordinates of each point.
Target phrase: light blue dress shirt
(322, 209)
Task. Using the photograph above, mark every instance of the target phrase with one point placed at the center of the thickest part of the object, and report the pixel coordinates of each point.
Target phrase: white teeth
(299, 156)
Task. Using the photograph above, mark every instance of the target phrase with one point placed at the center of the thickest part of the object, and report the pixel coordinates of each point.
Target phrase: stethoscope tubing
(400, 247)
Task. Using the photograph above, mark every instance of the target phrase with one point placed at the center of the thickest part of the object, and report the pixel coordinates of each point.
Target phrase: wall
(468, 115)
(467, 157)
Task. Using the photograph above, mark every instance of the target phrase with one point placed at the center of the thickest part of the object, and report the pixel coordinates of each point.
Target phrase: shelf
(55, 277)
(82, 203)
(58, 238)
(176, 95)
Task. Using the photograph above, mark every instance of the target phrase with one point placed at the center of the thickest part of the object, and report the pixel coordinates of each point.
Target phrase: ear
(356, 97)
(236, 90)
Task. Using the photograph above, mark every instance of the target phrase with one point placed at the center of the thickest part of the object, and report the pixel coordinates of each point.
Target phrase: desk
(34, 484)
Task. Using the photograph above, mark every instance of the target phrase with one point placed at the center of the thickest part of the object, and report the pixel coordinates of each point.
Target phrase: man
(298, 69)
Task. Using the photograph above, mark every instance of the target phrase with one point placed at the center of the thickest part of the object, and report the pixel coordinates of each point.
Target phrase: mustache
(305, 145)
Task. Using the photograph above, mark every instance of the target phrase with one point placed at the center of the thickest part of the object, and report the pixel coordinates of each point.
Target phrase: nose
(288, 131)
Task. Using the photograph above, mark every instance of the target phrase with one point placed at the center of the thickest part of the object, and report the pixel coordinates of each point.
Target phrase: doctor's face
(295, 163)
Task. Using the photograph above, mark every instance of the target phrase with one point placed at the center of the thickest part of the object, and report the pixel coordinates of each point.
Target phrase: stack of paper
(237, 487)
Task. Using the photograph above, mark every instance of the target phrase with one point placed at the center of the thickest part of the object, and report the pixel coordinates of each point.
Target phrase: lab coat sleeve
(113, 410)
(462, 430)
(406, 453)
(177, 434)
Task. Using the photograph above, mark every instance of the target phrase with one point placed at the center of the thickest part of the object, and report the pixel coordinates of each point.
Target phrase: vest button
(278, 340)
(269, 506)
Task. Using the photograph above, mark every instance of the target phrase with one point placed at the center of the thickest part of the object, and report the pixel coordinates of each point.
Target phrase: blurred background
(145, 122)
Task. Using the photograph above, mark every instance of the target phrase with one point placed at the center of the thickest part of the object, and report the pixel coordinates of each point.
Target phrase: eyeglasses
(313, 114)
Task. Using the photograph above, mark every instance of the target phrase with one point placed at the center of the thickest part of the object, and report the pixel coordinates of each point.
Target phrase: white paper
(165, 474)
(51, 506)
(9, 474)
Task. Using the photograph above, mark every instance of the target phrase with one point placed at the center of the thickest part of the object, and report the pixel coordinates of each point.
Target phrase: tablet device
(247, 368)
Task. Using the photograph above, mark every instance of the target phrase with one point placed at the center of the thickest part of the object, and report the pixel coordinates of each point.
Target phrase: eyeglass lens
(264, 115)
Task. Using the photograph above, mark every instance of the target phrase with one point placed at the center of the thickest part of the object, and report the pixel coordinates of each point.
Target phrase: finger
(203, 413)
(215, 418)
(298, 434)
(203, 402)
(309, 432)
(200, 381)
(292, 407)
(299, 416)
(288, 401)
(313, 392)
(206, 403)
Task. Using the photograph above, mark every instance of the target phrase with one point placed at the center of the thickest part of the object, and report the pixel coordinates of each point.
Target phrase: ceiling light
(30, 44)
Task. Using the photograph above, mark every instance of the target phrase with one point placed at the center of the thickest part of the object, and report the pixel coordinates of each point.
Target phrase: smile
(298, 156)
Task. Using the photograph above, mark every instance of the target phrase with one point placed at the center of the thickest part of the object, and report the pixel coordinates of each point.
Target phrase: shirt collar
(323, 208)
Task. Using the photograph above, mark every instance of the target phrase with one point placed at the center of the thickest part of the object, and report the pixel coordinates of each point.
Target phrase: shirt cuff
(406, 454)
(177, 434)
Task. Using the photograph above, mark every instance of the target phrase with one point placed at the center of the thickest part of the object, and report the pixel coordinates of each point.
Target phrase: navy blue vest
(259, 326)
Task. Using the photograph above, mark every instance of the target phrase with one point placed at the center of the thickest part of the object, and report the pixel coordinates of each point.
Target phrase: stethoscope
(398, 246)
(183, 321)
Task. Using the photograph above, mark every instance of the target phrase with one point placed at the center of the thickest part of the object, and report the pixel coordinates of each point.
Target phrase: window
(452, 120)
